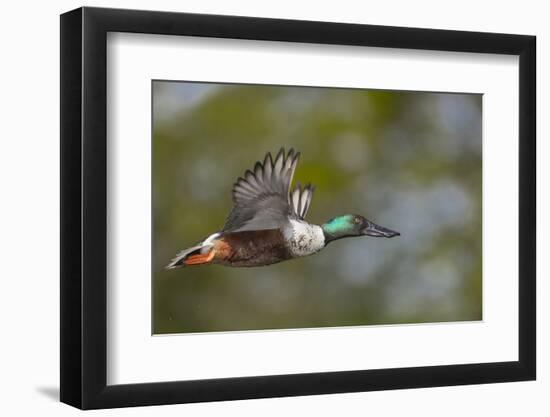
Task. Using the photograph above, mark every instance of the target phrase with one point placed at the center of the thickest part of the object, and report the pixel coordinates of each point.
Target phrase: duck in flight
(267, 223)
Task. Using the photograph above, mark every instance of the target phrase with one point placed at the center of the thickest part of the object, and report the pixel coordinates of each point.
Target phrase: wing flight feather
(262, 198)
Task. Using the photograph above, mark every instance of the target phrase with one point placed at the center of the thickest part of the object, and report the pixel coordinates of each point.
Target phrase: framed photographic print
(257, 208)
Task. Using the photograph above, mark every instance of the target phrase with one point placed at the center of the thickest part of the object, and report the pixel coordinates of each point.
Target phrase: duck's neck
(334, 231)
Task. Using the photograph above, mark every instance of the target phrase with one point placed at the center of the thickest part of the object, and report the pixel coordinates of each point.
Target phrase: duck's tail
(203, 253)
(192, 256)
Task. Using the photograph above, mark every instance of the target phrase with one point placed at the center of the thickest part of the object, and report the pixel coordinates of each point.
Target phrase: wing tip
(292, 154)
(280, 168)
(268, 160)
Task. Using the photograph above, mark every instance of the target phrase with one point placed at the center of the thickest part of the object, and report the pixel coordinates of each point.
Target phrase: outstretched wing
(261, 197)
(301, 199)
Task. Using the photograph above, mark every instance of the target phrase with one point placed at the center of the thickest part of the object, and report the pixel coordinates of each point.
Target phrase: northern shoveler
(267, 223)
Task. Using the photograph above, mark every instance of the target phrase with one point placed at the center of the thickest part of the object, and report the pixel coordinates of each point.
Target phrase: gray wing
(301, 199)
(261, 198)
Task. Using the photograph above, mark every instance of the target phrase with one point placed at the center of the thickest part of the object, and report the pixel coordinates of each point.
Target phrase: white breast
(303, 238)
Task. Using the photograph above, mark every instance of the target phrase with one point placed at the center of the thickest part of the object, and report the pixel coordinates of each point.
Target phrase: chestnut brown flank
(250, 248)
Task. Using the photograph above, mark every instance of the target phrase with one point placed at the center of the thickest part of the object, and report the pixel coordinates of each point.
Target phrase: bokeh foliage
(410, 161)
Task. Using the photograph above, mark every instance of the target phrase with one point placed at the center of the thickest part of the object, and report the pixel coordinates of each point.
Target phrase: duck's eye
(357, 220)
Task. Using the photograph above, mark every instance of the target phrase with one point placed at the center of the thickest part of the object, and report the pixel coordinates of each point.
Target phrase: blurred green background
(410, 161)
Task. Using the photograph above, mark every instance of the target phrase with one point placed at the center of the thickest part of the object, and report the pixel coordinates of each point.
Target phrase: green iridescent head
(350, 225)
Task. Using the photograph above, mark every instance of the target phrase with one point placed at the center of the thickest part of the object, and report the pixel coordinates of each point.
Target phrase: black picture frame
(84, 207)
